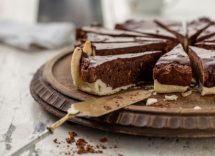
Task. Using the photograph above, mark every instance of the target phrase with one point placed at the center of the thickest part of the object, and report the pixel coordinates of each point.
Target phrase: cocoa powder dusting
(107, 107)
(71, 137)
(56, 141)
(103, 146)
(81, 142)
(115, 146)
(78, 145)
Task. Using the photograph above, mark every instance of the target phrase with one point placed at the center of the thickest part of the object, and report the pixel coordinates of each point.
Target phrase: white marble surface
(19, 10)
(22, 118)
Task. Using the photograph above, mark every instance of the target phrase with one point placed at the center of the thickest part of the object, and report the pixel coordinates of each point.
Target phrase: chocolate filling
(122, 70)
(174, 68)
(203, 63)
(103, 49)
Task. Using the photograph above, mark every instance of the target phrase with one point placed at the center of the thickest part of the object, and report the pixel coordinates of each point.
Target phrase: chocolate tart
(53, 89)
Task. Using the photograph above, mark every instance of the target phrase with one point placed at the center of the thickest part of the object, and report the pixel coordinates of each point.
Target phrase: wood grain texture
(172, 119)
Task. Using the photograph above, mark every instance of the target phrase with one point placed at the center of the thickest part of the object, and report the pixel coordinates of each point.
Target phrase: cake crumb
(154, 93)
(103, 146)
(115, 146)
(103, 139)
(151, 101)
(56, 141)
(71, 138)
(187, 93)
(171, 97)
(197, 108)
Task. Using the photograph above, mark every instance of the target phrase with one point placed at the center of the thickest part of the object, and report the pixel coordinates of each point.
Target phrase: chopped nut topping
(88, 48)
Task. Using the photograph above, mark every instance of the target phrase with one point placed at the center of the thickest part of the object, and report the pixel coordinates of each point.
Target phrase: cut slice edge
(199, 68)
(207, 91)
(165, 88)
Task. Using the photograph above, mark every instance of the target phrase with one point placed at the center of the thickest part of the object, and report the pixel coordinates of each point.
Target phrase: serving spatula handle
(50, 130)
(58, 123)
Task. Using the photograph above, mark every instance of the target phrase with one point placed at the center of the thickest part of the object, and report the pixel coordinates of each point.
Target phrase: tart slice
(206, 45)
(186, 33)
(145, 27)
(102, 49)
(104, 75)
(196, 27)
(207, 33)
(175, 27)
(99, 38)
(203, 62)
(83, 31)
(172, 72)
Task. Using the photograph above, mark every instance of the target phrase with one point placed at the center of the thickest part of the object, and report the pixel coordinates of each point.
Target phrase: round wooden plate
(52, 87)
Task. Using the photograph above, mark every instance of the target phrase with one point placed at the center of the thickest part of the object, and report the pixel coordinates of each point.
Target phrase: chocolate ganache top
(177, 55)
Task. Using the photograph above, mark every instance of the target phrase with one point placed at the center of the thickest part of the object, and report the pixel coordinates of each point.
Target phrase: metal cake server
(95, 107)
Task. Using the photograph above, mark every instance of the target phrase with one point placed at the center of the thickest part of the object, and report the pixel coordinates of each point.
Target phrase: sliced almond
(88, 48)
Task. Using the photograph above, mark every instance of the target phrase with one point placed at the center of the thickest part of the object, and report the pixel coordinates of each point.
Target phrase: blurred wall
(80, 12)
(19, 10)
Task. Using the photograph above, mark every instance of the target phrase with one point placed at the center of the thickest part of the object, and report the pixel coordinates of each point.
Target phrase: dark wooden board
(52, 88)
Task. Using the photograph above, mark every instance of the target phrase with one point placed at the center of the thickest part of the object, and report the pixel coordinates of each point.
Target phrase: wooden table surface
(21, 118)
